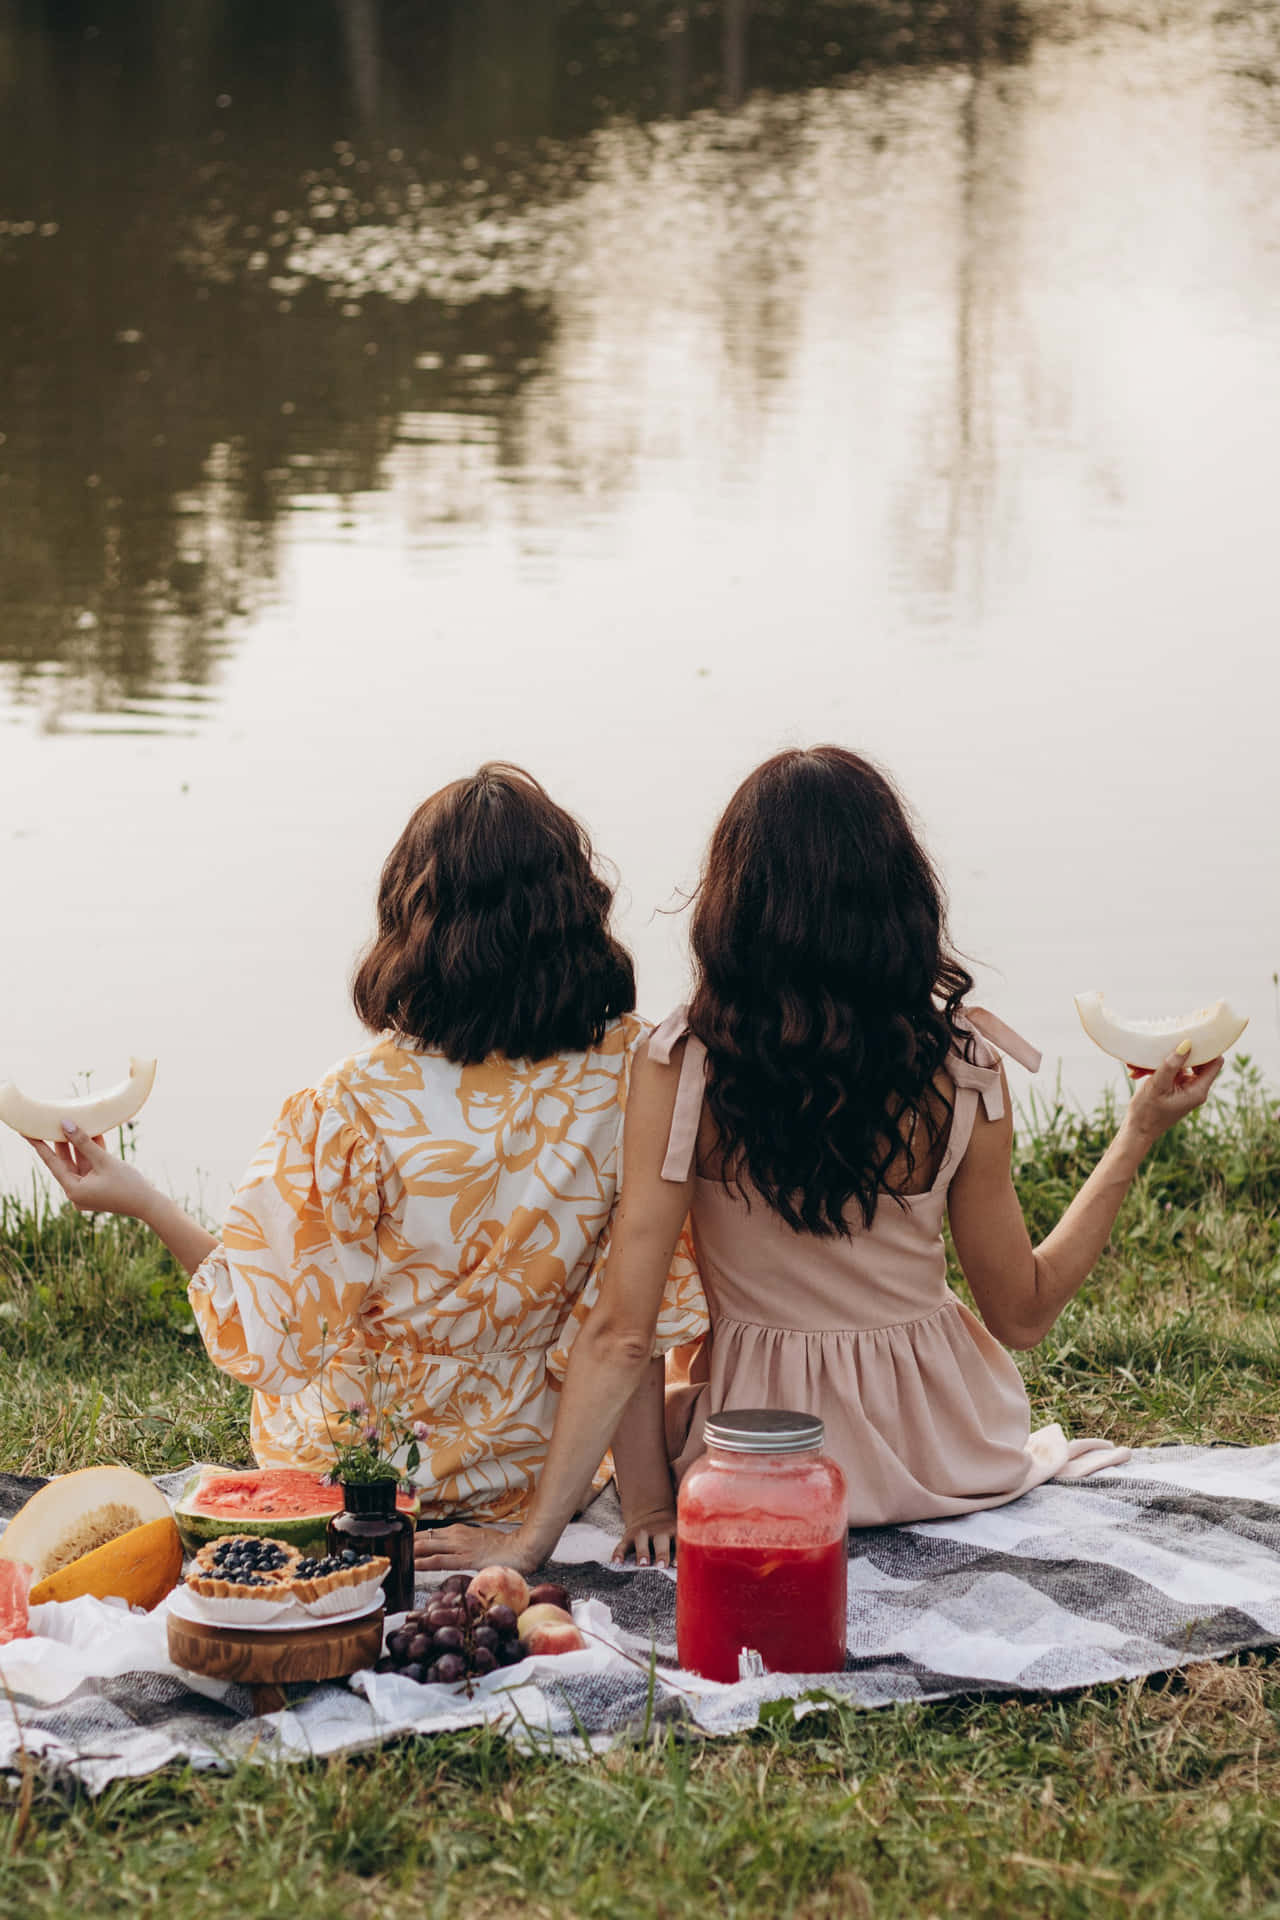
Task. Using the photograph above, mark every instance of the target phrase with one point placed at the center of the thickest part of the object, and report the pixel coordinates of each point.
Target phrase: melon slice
(282, 1503)
(1144, 1043)
(74, 1515)
(141, 1567)
(96, 1113)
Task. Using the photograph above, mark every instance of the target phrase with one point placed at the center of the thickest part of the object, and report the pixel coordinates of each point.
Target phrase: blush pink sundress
(923, 1408)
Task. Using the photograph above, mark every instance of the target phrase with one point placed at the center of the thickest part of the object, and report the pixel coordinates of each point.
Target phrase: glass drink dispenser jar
(761, 1551)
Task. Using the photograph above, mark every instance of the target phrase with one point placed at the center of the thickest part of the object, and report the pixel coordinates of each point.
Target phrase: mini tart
(316, 1575)
(249, 1567)
(243, 1566)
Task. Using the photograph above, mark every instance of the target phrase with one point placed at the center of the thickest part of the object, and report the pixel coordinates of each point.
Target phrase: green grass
(99, 1350)
(1160, 1799)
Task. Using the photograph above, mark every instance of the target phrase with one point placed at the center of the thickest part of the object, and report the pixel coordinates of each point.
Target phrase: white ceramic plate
(287, 1618)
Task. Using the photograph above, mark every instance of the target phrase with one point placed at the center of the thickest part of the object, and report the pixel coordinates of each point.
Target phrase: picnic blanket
(1172, 1558)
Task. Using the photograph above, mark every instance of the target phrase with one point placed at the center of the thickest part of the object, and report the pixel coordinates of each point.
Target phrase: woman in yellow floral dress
(437, 1208)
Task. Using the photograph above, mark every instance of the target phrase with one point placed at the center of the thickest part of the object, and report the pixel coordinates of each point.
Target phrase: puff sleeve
(284, 1290)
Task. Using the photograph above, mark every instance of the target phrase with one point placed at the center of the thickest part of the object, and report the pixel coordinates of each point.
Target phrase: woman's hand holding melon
(1169, 1094)
(94, 1179)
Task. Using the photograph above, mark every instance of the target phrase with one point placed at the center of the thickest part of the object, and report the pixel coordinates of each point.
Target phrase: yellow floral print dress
(447, 1223)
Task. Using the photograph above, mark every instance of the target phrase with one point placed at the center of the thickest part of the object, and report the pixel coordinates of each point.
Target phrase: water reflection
(250, 256)
(386, 387)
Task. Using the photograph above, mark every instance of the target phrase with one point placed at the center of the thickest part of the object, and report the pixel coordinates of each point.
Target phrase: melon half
(1145, 1043)
(78, 1513)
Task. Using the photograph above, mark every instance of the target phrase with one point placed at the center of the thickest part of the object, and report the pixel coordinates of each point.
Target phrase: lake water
(626, 393)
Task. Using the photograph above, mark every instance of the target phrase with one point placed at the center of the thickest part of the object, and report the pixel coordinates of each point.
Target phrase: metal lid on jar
(765, 1430)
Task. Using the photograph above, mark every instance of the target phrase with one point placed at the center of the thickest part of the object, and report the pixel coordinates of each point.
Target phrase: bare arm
(95, 1180)
(643, 1472)
(1021, 1290)
(615, 1347)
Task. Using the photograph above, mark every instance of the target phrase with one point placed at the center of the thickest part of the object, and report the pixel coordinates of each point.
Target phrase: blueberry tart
(249, 1567)
(316, 1576)
(242, 1566)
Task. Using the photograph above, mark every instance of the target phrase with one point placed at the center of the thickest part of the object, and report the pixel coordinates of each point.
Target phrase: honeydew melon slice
(78, 1513)
(96, 1113)
(1144, 1043)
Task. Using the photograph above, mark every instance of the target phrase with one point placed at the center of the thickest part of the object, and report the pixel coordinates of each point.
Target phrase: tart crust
(305, 1588)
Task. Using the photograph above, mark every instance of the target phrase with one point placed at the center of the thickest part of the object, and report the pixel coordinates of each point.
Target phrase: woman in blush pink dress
(818, 1110)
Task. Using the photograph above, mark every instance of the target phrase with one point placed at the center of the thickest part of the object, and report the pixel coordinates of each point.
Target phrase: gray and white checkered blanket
(1174, 1557)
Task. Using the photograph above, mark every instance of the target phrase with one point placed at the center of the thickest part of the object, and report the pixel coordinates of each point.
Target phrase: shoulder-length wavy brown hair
(493, 928)
(825, 991)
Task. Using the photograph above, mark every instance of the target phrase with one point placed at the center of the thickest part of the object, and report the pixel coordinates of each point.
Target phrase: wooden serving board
(268, 1661)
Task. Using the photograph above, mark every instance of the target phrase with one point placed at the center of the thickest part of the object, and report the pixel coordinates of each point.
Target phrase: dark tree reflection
(170, 385)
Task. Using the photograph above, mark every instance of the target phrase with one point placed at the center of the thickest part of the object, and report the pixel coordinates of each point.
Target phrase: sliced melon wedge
(95, 1113)
(77, 1513)
(140, 1566)
(1144, 1043)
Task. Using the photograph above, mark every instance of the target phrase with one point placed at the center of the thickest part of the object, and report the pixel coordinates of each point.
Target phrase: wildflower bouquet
(370, 1432)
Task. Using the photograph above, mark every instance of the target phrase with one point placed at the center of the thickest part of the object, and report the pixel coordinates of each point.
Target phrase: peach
(555, 1636)
(501, 1587)
(542, 1616)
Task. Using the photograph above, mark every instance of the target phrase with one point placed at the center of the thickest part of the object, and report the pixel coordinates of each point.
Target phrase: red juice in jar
(761, 1554)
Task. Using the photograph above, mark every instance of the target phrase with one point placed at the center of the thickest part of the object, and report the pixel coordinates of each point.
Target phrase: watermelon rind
(306, 1531)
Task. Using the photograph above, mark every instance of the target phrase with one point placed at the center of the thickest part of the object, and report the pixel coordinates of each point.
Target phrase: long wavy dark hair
(826, 992)
(493, 928)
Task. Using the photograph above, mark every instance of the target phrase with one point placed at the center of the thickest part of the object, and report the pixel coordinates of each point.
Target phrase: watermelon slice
(15, 1582)
(283, 1503)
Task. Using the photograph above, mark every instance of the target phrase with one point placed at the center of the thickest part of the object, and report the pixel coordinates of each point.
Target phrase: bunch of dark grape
(455, 1636)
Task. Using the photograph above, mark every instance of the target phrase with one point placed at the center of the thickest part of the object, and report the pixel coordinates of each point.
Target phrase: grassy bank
(1160, 1799)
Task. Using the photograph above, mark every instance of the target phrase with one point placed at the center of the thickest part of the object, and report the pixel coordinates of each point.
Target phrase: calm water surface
(627, 393)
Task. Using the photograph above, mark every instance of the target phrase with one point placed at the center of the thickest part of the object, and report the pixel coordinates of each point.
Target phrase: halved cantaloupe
(1145, 1043)
(141, 1567)
(77, 1514)
(95, 1113)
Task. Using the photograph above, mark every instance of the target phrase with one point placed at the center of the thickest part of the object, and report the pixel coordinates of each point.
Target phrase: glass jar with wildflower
(370, 1436)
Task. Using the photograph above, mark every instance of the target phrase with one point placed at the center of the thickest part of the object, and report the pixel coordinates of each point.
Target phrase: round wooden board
(275, 1658)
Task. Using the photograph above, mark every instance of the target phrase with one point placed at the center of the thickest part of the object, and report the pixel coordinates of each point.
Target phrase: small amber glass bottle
(371, 1523)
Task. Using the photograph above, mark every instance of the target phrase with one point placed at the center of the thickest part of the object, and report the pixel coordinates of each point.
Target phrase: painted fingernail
(69, 1127)
(1183, 1047)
